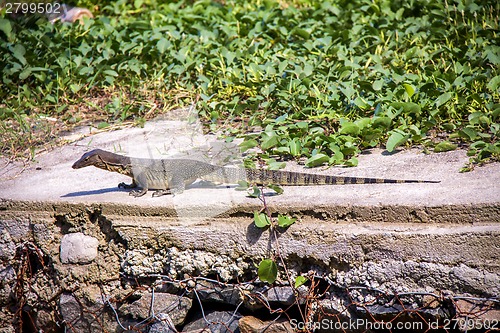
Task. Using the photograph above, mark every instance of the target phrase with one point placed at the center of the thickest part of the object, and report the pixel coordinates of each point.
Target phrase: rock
(78, 248)
(331, 313)
(472, 315)
(214, 292)
(70, 308)
(167, 304)
(80, 317)
(216, 322)
(284, 295)
(47, 320)
(162, 325)
(250, 324)
(7, 283)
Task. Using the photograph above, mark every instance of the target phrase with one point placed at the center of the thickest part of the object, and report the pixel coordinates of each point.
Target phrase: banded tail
(279, 177)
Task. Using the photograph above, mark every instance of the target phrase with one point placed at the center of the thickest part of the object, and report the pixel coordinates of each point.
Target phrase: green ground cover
(320, 80)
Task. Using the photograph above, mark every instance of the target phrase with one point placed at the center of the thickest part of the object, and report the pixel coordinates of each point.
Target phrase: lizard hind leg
(159, 193)
(177, 185)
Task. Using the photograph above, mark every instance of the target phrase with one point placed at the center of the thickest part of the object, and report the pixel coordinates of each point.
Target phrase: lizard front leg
(135, 193)
(127, 186)
(159, 193)
(139, 180)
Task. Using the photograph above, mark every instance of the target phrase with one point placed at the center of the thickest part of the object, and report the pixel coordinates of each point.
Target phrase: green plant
(321, 80)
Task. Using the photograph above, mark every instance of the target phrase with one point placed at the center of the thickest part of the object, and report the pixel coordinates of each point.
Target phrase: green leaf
(408, 107)
(102, 125)
(300, 32)
(395, 140)
(285, 221)
(269, 142)
(110, 72)
(361, 103)
(300, 280)
(378, 84)
(444, 146)
(410, 90)
(261, 220)
(494, 84)
(268, 271)
(6, 27)
(75, 87)
(248, 144)
(352, 162)
(468, 133)
(382, 122)
(163, 45)
(295, 147)
(349, 128)
(276, 188)
(443, 98)
(317, 160)
(18, 51)
(255, 192)
(273, 165)
(242, 185)
(25, 73)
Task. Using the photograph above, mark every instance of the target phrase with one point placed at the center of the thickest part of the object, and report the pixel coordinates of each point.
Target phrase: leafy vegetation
(320, 80)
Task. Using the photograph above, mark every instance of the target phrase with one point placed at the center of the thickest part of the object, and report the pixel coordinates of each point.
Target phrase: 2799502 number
(466, 324)
(32, 8)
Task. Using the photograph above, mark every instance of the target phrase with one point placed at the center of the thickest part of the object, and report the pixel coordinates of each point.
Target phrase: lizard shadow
(93, 192)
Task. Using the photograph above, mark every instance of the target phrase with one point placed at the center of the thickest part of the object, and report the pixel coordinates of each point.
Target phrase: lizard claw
(159, 193)
(137, 193)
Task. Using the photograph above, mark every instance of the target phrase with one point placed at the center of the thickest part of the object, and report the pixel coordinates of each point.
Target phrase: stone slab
(51, 179)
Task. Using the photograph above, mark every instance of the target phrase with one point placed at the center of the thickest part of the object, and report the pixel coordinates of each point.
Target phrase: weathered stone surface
(392, 237)
(251, 324)
(216, 322)
(7, 329)
(284, 295)
(7, 283)
(215, 292)
(83, 318)
(480, 315)
(394, 275)
(77, 248)
(13, 230)
(174, 306)
(163, 324)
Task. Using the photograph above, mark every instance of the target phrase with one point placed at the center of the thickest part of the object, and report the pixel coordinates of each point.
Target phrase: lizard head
(93, 157)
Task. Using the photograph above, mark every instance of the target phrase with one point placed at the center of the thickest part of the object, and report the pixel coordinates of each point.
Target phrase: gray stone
(12, 231)
(215, 292)
(74, 315)
(78, 248)
(216, 322)
(81, 317)
(284, 295)
(175, 307)
(7, 283)
(162, 324)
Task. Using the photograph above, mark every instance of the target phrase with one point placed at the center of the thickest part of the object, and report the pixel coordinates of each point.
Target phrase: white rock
(77, 248)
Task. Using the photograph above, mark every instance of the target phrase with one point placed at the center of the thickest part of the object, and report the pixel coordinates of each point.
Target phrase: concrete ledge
(413, 238)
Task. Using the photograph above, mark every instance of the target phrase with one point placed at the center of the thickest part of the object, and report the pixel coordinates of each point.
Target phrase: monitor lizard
(170, 176)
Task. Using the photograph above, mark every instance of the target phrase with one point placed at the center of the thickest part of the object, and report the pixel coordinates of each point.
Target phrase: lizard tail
(279, 177)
